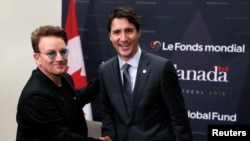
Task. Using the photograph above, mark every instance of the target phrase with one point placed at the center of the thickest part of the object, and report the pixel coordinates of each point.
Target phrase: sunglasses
(52, 53)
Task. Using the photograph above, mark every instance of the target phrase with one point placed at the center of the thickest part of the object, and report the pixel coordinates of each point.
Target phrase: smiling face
(124, 38)
(51, 67)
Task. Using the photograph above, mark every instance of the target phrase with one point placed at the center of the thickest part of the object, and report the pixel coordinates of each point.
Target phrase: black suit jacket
(46, 112)
(158, 109)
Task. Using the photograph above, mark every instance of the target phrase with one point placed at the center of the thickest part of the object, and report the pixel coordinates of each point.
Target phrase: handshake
(106, 138)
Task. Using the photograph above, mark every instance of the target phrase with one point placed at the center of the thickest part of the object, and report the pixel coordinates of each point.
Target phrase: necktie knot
(126, 66)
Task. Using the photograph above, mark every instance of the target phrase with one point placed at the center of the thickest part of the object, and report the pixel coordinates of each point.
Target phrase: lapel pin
(144, 71)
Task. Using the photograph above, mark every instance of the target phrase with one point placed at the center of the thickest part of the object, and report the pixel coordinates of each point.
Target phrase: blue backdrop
(208, 41)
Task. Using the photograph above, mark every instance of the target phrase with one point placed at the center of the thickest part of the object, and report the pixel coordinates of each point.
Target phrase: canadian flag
(76, 66)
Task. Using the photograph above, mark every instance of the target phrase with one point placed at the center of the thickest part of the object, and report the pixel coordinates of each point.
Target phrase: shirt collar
(134, 61)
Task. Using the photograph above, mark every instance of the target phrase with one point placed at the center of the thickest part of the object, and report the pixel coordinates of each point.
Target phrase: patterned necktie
(126, 80)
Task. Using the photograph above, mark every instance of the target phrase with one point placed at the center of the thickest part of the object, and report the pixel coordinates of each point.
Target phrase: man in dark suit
(49, 108)
(155, 109)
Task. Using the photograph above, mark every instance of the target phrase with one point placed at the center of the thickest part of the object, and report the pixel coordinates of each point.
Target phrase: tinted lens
(52, 54)
(64, 52)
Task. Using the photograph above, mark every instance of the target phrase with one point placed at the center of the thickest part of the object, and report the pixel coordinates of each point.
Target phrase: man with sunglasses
(49, 108)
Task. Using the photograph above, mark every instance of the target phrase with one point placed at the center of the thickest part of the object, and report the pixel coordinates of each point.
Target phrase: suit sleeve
(87, 93)
(175, 104)
(108, 128)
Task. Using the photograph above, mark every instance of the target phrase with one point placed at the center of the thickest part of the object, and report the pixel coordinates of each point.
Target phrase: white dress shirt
(133, 62)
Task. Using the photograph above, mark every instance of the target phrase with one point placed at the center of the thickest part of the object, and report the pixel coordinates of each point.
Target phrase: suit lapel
(115, 78)
(141, 81)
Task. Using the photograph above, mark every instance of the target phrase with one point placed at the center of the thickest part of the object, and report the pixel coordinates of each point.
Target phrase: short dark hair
(47, 30)
(124, 12)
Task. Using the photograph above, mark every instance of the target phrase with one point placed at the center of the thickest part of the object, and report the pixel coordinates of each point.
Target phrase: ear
(36, 56)
(110, 37)
(139, 33)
